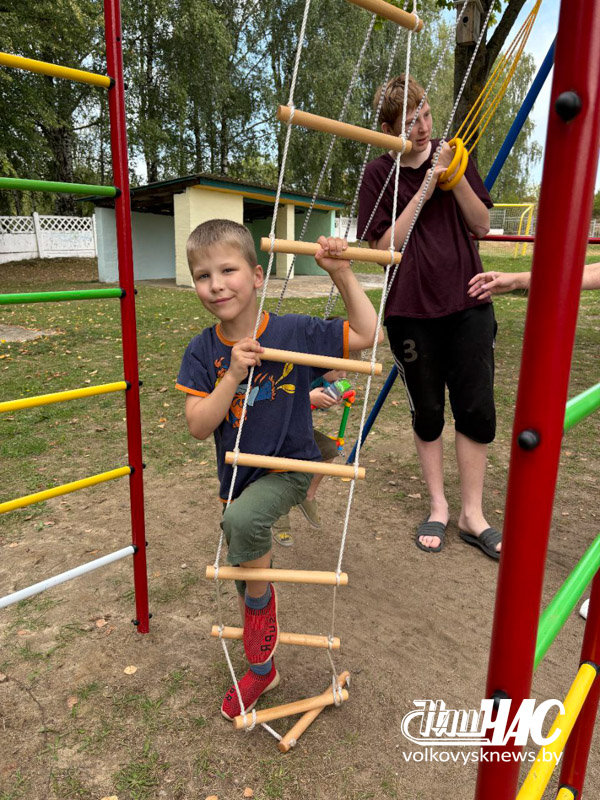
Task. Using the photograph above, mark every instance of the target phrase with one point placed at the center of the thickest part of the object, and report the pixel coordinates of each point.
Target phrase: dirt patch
(14, 333)
(75, 724)
(300, 286)
(412, 626)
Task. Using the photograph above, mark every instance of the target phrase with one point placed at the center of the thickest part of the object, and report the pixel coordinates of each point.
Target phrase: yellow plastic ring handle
(458, 146)
(446, 187)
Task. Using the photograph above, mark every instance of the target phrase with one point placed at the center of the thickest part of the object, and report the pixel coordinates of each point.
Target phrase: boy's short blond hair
(392, 106)
(221, 231)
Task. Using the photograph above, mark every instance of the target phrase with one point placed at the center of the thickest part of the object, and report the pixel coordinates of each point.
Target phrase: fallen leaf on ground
(23, 632)
(248, 792)
(415, 496)
(72, 701)
(13, 544)
(3, 677)
(130, 670)
(100, 623)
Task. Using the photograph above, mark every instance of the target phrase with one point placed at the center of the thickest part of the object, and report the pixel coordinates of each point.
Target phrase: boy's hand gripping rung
(382, 257)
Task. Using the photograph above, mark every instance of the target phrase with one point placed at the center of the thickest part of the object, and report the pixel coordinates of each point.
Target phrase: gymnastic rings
(450, 178)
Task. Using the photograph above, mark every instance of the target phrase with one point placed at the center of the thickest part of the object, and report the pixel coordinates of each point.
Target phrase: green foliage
(204, 78)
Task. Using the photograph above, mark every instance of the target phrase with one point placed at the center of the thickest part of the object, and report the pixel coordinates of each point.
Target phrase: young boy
(214, 373)
(439, 335)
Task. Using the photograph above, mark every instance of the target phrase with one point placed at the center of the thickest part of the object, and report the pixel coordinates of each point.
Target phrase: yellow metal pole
(528, 228)
(54, 70)
(564, 793)
(519, 231)
(62, 397)
(66, 488)
(541, 771)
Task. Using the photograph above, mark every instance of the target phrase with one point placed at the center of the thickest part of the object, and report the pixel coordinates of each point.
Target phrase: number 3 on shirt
(410, 354)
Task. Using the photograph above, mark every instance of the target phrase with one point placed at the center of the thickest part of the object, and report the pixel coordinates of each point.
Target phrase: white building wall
(153, 246)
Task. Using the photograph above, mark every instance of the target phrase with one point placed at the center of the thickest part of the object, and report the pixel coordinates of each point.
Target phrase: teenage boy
(214, 374)
(439, 335)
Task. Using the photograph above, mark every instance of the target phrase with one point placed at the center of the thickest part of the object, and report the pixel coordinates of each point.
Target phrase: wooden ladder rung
(301, 639)
(293, 465)
(388, 11)
(382, 257)
(324, 362)
(287, 710)
(291, 737)
(343, 129)
(277, 575)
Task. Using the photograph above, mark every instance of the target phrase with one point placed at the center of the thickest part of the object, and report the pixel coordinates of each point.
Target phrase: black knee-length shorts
(456, 351)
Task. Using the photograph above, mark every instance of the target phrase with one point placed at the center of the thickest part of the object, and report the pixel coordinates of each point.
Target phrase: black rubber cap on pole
(568, 105)
(528, 439)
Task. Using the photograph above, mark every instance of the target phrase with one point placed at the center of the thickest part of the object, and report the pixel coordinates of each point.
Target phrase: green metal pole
(344, 421)
(565, 600)
(582, 406)
(55, 297)
(56, 186)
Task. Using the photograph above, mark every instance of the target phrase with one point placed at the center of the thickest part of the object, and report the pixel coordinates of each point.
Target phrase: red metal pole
(118, 139)
(496, 237)
(562, 232)
(578, 746)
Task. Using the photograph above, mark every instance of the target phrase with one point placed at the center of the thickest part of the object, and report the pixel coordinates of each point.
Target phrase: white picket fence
(46, 236)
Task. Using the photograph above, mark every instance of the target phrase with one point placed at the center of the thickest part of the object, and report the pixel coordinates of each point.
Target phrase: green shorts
(248, 520)
(326, 445)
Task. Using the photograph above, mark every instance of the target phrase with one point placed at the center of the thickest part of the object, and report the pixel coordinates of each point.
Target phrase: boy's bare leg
(472, 460)
(257, 588)
(314, 485)
(432, 466)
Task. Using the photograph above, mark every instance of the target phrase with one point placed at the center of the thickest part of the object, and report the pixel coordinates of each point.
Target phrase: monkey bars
(55, 71)
(126, 292)
(26, 185)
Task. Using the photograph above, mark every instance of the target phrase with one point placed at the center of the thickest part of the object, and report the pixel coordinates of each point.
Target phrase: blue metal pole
(375, 411)
(515, 128)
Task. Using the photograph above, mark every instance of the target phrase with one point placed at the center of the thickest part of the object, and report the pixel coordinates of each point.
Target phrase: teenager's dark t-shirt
(441, 257)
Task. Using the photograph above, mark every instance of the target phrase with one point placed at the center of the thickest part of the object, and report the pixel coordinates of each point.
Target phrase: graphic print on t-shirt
(264, 387)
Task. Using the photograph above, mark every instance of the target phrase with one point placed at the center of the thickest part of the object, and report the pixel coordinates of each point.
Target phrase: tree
(45, 113)
(487, 52)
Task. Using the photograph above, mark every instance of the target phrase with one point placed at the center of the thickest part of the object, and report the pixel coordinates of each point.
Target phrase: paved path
(300, 286)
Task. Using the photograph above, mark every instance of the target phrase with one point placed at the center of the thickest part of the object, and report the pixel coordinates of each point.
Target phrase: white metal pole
(38, 234)
(36, 588)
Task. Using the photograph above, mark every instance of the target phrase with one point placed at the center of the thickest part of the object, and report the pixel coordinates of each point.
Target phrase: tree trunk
(60, 141)
(487, 53)
(474, 84)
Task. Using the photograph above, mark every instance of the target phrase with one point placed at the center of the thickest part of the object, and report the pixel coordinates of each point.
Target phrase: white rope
(251, 372)
(438, 150)
(333, 293)
(336, 689)
(334, 138)
(372, 372)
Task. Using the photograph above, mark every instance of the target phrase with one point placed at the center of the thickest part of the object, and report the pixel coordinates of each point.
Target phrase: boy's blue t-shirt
(279, 419)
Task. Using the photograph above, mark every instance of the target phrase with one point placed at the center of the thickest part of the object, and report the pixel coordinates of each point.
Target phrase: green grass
(51, 445)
